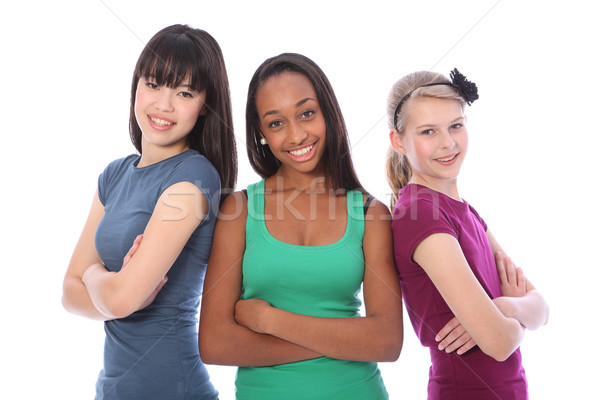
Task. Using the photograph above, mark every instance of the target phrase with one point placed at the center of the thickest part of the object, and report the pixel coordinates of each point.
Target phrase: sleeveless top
(153, 353)
(321, 281)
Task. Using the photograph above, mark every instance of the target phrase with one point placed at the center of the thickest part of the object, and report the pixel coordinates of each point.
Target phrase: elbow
(544, 312)
(390, 346)
(501, 347)
(115, 307)
(392, 353)
(67, 295)
(117, 311)
(206, 354)
(211, 352)
(209, 347)
(66, 303)
(499, 354)
(208, 357)
(119, 304)
(217, 345)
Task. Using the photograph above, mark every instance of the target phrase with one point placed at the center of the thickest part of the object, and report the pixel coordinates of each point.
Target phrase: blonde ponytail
(397, 172)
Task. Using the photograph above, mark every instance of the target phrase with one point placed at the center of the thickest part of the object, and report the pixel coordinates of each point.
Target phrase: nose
(297, 133)
(446, 140)
(163, 100)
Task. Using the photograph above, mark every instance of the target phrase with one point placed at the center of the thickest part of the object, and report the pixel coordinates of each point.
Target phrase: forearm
(232, 344)
(530, 310)
(500, 339)
(356, 339)
(100, 285)
(76, 300)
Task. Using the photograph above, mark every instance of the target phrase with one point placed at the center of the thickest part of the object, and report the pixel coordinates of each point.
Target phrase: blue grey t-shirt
(153, 353)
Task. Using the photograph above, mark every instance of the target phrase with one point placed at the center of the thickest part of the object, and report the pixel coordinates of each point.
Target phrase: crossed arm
(519, 301)
(252, 333)
(90, 290)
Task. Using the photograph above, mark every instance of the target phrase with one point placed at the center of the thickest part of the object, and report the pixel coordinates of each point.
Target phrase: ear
(203, 110)
(396, 142)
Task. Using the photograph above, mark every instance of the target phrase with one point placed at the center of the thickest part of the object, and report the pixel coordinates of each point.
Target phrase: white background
(532, 170)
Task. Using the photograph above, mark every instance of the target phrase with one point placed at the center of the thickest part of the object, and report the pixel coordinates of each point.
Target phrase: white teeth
(301, 152)
(161, 122)
(447, 159)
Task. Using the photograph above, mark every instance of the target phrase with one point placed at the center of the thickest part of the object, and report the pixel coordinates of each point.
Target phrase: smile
(302, 151)
(449, 158)
(161, 122)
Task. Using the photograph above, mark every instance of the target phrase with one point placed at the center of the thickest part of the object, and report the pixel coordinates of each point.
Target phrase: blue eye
(456, 126)
(427, 132)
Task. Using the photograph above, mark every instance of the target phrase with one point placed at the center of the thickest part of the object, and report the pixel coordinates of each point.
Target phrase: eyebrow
(451, 122)
(153, 77)
(298, 104)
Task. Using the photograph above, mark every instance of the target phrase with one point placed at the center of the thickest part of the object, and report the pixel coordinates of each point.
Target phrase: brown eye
(307, 114)
(275, 124)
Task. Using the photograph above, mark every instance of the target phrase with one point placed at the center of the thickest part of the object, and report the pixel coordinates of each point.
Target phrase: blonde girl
(466, 300)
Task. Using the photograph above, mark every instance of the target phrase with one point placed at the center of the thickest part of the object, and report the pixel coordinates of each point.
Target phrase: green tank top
(322, 281)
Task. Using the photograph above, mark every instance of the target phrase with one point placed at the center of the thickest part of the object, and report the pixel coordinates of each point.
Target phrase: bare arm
(376, 337)
(178, 212)
(528, 305)
(519, 300)
(76, 298)
(221, 339)
(442, 259)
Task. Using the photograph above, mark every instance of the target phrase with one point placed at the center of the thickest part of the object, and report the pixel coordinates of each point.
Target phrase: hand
(512, 279)
(132, 250)
(128, 257)
(251, 313)
(453, 337)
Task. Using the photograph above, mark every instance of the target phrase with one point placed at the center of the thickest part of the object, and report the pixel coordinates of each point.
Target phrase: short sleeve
(198, 170)
(414, 221)
(478, 218)
(109, 176)
(102, 183)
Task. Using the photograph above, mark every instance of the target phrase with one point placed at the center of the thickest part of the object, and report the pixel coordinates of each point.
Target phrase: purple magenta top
(419, 213)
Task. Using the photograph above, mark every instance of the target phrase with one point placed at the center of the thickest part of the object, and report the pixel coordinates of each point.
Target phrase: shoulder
(419, 213)
(477, 216)
(120, 164)
(113, 174)
(375, 209)
(419, 205)
(195, 159)
(195, 168)
(234, 206)
(196, 163)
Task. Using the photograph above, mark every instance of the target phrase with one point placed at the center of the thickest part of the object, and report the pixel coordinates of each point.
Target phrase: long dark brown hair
(338, 162)
(178, 52)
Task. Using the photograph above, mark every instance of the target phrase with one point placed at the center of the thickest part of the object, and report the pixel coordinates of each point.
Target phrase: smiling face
(166, 116)
(434, 141)
(292, 122)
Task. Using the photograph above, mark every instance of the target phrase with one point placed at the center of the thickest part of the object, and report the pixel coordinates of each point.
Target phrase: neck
(285, 179)
(153, 154)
